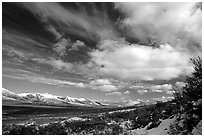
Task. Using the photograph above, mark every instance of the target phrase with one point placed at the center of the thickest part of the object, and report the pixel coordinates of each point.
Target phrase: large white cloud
(179, 24)
(137, 62)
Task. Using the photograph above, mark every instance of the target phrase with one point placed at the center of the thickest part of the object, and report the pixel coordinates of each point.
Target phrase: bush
(193, 88)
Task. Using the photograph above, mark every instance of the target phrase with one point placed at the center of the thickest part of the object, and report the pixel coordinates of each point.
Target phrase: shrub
(193, 88)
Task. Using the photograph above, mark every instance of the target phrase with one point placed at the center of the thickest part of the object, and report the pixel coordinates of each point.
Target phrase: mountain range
(46, 99)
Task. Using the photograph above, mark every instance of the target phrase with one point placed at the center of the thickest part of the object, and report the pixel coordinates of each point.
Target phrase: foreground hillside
(138, 120)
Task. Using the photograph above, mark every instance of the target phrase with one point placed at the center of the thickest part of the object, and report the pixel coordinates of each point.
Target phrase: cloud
(180, 84)
(179, 24)
(103, 85)
(164, 23)
(126, 92)
(52, 30)
(138, 62)
(13, 38)
(77, 44)
(101, 82)
(114, 93)
(133, 102)
(107, 88)
(119, 93)
(164, 98)
(76, 22)
(162, 88)
(56, 63)
(11, 51)
(142, 91)
(61, 46)
(18, 45)
(137, 86)
(109, 84)
(147, 88)
(171, 92)
(64, 44)
(36, 78)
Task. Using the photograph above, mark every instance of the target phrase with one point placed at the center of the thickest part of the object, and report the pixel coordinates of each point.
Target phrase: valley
(18, 114)
(84, 120)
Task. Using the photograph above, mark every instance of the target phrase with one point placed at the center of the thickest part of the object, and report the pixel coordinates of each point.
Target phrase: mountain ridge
(46, 99)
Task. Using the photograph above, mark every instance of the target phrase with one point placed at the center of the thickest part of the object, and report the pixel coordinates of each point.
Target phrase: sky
(120, 52)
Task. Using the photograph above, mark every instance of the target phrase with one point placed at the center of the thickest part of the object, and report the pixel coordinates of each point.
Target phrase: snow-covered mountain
(9, 97)
(46, 99)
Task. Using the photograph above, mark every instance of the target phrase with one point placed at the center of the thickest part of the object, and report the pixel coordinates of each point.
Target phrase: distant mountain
(12, 97)
(9, 97)
(47, 99)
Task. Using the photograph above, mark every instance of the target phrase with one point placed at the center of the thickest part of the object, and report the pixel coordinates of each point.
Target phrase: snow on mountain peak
(6, 91)
(47, 98)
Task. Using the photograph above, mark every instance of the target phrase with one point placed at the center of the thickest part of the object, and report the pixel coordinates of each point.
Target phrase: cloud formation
(61, 46)
(118, 93)
(77, 45)
(103, 85)
(180, 84)
(55, 63)
(126, 92)
(78, 22)
(114, 93)
(11, 51)
(164, 98)
(53, 30)
(179, 24)
(142, 91)
(161, 23)
(152, 88)
(138, 62)
(161, 88)
(133, 102)
(36, 78)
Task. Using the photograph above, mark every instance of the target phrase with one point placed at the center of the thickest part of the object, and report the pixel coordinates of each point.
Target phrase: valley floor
(155, 119)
